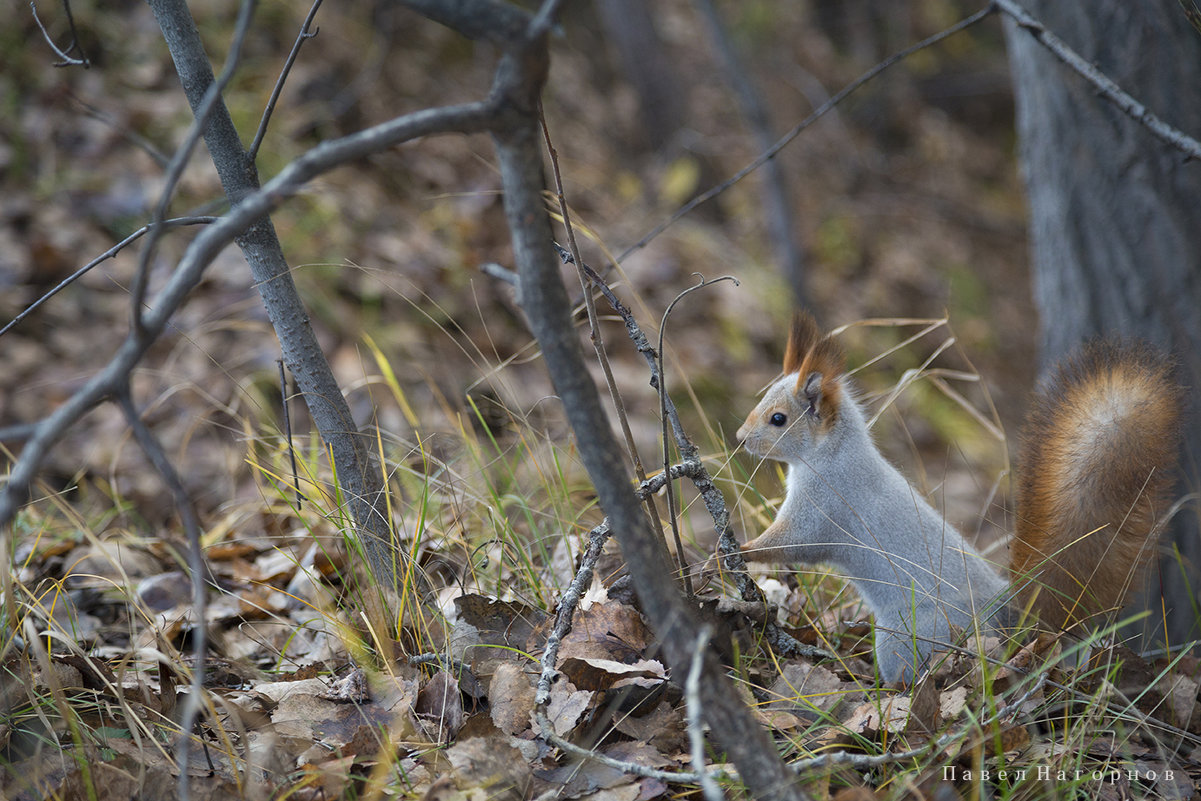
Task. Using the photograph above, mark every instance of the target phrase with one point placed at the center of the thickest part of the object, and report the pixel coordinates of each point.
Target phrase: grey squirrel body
(1096, 463)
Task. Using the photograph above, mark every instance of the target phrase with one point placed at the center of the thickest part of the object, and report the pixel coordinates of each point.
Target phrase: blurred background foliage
(907, 204)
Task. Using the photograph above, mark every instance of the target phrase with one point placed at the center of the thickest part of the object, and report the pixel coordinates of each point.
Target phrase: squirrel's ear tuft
(803, 336)
(825, 357)
(809, 351)
(818, 362)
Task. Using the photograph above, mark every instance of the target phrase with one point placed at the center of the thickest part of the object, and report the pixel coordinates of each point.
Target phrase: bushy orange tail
(1096, 461)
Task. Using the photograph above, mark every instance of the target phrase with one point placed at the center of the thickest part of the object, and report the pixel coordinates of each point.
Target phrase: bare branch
(693, 705)
(1106, 87)
(493, 21)
(204, 248)
(692, 467)
(641, 343)
(520, 78)
(567, 606)
(67, 59)
(550, 654)
(126, 133)
(544, 20)
(358, 474)
(563, 623)
(108, 254)
(1192, 13)
(17, 433)
(671, 501)
(196, 567)
(598, 341)
(253, 152)
(1099, 80)
(287, 420)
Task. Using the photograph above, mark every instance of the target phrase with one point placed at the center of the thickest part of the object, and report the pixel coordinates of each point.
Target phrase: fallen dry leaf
(886, 714)
(633, 791)
(809, 691)
(567, 706)
(499, 622)
(511, 695)
(609, 630)
(482, 623)
(951, 702)
(490, 764)
(439, 707)
(664, 728)
(595, 673)
(350, 689)
(164, 591)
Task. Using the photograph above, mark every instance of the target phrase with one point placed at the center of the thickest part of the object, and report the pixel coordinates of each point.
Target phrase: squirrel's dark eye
(778, 419)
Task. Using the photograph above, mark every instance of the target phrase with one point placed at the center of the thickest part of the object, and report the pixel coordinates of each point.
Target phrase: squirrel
(1100, 444)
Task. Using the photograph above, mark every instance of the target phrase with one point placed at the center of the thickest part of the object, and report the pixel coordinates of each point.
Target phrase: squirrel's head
(801, 408)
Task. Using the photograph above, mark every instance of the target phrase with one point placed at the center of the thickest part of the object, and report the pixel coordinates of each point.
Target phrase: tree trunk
(1115, 219)
(639, 54)
(359, 477)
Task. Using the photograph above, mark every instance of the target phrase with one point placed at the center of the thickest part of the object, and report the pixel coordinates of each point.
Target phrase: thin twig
(727, 545)
(1104, 85)
(627, 768)
(126, 133)
(550, 652)
(671, 501)
(444, 662)
(598, 340)
(584, 575)
(67, 59)
(1192, 13)
(361, 482)
(18, 432)
(287, 420)
(545, 19)
(694, 716)
(108, 254)
(196, 566)
(503, 24)
(817, 114)
(567, 606)
(252, 152)
(641, 342)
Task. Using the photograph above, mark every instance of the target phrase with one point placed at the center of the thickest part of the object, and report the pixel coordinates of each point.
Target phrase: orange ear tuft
(825, 357)
(801, 339)
(811, 355)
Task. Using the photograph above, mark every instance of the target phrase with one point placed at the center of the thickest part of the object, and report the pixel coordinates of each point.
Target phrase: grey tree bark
(1115, 220)
(520, 78)
(360, 478)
